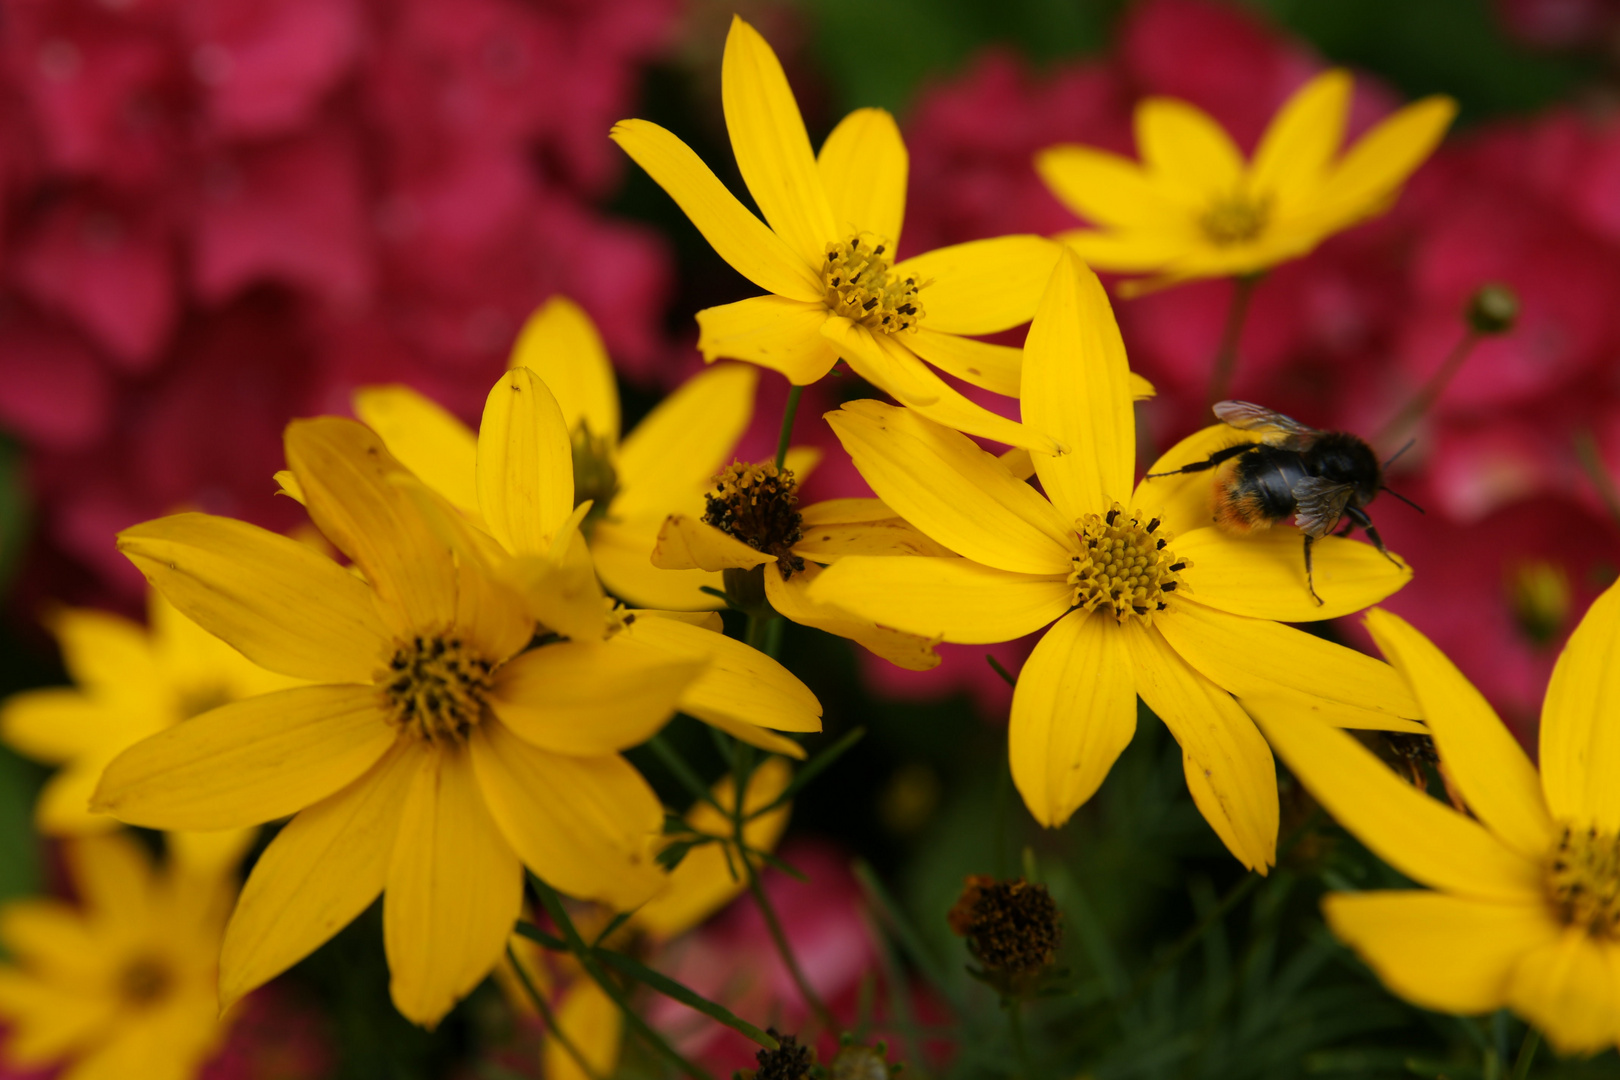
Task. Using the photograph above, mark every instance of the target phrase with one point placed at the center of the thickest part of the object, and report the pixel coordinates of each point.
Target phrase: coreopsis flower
(1522, 909)
(828, 256)
(434, 753)
(633, 481)
(131, 682)
(1195, 208)
(523, 463)
(124, 984)
(1147, 597)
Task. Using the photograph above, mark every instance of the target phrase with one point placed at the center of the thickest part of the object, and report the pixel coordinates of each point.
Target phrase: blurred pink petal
(54, 392)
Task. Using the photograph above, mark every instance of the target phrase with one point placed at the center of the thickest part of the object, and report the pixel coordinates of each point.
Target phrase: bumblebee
(1319, 477)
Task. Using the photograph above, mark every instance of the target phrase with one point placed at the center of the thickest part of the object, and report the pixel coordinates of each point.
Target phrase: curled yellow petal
(525, 464)
(794, 599)
(686, 543)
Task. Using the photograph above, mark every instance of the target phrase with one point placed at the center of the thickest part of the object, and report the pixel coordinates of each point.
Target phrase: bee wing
(1319, 503)
(1279, 430)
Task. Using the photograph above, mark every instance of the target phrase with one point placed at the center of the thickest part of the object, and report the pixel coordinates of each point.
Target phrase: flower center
(436, 687)
(860, 288)
(144, 981)
(758, 504)
(1583, 881)
(1123, 567)
(1235, 219)
(595, 478)
(1538, 595)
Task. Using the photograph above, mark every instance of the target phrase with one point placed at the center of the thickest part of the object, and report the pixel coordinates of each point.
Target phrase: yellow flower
(740, 690)
(634, 482)
(827, 256)
(131, 682)
(434, 753)
(125, 985)
(1525, 907)
(1149, 598)
(1194, 208)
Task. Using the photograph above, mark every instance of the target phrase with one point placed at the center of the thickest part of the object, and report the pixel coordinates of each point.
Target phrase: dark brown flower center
(1582, 880)
(861, 287)
(436, 686)
(758, 504)
(144, 981)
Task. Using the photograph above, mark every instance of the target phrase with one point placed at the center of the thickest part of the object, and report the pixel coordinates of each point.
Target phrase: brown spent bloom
(789, 1061)
(758, 504)
(1011, 926)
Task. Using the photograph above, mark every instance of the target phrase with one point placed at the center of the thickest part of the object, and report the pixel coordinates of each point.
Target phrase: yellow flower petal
(594, 1024)
(679, 446)
(888, 536)
(994, 367)
(215, 854)
(250, 761)
(51, 938)
(113, 875)
(318, 874)
(1381, 160)
(1189, 156)
(1569, 990)
(772, 331)
(739, 237)
(982, 286)
(1440, 952)
(525, 464)
(863, 166)
(1580, 742)
(962, 497)
(1130, 252)
(58, 724)
(427, 440)
(1481, 756)
(349, 479)
(591, 697)
(772, 149)
(49, 1022)
(883, 362)
(623, 553)
(1073, 711)
(686, 543)
(954, 411)
(63, 807)
(559, 343)
(453, 891)
(1299, 145)
(794, 599)
(1104, 188)
(735, 682)
(957, 600)
(1077, 388)
(282, 604)
(585, 825)
(1423, 839)
(195, 661)
(1227, 764)
(1262, 574)
(1184, 501)
(109, 656)
(561, 589)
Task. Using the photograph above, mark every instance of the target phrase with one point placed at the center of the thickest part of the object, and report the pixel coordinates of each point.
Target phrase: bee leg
(1208, 463)
(1309, 581)
(1359, 516)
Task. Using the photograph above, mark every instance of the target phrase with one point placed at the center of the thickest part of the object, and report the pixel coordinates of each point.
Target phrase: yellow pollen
(1125, 567)
(1235, 219)
(436, 687)
(1583, 881)
(860, 287)
(144, 981)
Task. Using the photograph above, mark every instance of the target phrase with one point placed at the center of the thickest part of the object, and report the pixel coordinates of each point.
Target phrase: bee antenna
(1401, 497)
(1396, 455)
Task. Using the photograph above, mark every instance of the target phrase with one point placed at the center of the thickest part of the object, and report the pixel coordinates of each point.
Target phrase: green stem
(1226, 355)
(788, 414)
(785, 949)
(1015, 1024)
(1527, 1054)
(543, 1007)
(1591, 458)
(1424, 399)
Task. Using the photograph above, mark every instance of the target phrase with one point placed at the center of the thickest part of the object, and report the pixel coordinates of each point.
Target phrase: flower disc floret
(436, 687)
(1125, 567)
(1583, 881)
(1235, 219)
(596, 479)
(759, 505)
(145, 981)
(862, 288)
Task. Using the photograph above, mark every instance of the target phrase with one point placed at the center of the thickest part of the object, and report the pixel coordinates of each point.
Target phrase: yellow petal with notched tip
(1185, 501)
(982, 286)
(280, 603)
(349, 479)
(962, 497)
(321, 871)
(591, 697)
(1259, 658)
(1227, 764)
(993, 367)
(623, 554)
(1073, 711)
(771, 146)
(60, 723)
(863, 166)
(1580, 742)
(1076, 387)
(772, 331)
(250, 761)
(559, 343)
(957, 600)
(49, 1022)
(736, 235)
(1447, 953)
(1104, 188)
(427, 440)
(1422, 838)
(525, 464)
(1299, 145)
(678, 447)
(1380, 162)
(685, 543)
(453, 891)
(883, 362)
(594, 1024)
(1262, 574)
(583, 824)
(1568, 988)
(794, 599)
(1190, 158)
(1481, 756)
